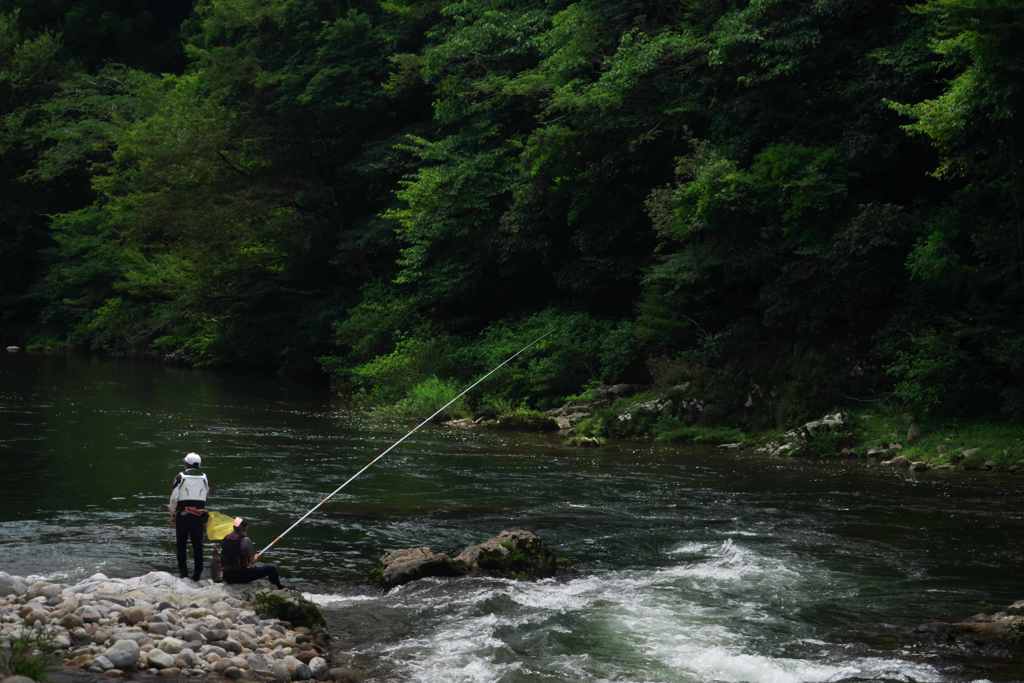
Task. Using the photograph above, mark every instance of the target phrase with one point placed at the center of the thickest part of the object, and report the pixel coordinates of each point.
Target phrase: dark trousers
(190, 527)
(260, 571)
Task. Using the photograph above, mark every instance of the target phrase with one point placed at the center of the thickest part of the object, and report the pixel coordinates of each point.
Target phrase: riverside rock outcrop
(161, 625)
(798, 441)
(998, 635)
(513, 553)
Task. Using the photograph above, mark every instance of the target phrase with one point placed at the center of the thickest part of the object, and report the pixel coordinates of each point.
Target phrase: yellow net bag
(218, 526)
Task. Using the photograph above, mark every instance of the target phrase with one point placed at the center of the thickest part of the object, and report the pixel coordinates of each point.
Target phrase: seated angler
(237, 555)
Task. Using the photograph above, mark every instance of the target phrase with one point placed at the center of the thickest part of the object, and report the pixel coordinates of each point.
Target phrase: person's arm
(172, 503)
(248, 551)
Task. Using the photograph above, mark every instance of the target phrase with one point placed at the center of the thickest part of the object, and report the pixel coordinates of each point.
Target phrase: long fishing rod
(395, 444)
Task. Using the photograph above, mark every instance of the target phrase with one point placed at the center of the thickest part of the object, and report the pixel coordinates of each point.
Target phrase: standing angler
(188, 509)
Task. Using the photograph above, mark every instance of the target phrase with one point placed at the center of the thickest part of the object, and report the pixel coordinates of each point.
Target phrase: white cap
(193, 460)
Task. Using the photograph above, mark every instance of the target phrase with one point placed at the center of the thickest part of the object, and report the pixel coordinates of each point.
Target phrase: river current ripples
(689, 564)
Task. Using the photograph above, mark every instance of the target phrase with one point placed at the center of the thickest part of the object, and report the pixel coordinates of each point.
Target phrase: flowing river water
(690, 564)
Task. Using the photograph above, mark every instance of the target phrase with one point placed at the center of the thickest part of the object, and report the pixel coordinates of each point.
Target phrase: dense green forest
(808, 201)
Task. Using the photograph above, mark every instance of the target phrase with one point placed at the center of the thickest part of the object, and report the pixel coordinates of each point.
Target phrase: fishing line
(395, 444)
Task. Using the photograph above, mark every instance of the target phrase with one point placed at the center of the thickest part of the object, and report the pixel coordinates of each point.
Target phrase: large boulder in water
(409, 564)
(514, 553)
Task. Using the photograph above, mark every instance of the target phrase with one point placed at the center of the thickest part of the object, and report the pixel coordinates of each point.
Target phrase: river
(690, 564)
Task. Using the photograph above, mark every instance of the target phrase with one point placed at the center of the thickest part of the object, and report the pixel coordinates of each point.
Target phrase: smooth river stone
(171, 645)
(124, 654)
(160, 659)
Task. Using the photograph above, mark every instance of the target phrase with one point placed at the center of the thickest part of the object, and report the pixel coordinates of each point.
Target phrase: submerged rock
(998, 635)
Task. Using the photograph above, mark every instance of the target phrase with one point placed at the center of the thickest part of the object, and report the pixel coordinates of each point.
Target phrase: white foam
(690, 621)
(689, 549)
(459, 652)
(332, 600)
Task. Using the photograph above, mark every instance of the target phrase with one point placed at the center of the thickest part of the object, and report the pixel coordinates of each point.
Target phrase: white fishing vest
(193, 487)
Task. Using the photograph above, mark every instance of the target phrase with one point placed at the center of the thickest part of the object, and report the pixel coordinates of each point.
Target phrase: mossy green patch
(291, 608)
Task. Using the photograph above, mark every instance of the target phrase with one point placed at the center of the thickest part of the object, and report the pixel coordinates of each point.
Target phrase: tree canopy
(816, 200)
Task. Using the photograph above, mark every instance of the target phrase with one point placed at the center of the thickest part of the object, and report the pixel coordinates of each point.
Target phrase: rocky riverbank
(159, 625)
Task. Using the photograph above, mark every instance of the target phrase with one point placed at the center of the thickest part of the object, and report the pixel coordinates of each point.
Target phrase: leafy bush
(927, 370)
(578, 349)
(428, 396)
(392, 377)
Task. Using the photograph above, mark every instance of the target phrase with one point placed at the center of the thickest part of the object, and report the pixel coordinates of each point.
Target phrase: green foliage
(942, 441)
(780, 203)
(928, 370)
(672, 431)
(28, 654)
(577, 349)
(427, 397)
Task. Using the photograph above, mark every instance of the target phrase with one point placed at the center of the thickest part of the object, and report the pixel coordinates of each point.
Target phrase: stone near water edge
(131, 634)
(186, 659)
(191, 635)
(17, 679)
(124, 654)
(171, 645)
(12, 585)
(280, 672)
(343, 675)
(898, 461)
(159, 628)
(259, 663)
(297, 670)
(90, 614)
(135, 615)
(318, 667)
(71, 621)
(221, 665)
(232, 646)
(213, 649)
(101, 663)
(214, 634)
(160, 659)
(172, 672)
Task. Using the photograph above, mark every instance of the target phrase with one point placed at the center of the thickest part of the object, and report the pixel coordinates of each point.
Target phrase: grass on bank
(942, 442)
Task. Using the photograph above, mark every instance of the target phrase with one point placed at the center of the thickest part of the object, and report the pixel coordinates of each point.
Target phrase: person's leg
(242, 575)
(271, 574)
(181, 533)
(196, 533)
(262, 571)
